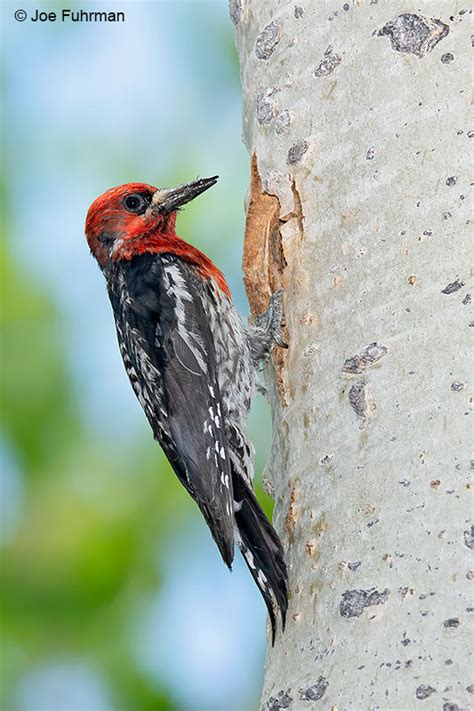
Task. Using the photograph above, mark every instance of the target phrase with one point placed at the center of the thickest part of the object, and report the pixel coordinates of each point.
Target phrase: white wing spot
(249, 558)
(222, 453)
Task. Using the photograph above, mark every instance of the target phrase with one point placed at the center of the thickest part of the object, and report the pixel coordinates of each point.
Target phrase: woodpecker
(192, 363)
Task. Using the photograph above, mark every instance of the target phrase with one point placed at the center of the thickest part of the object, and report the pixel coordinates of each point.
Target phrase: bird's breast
(236, 375)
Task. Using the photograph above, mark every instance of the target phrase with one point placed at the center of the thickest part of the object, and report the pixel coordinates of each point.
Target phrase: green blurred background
(113, 595)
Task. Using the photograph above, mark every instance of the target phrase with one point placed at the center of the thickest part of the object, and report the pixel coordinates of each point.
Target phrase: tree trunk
(356, 117)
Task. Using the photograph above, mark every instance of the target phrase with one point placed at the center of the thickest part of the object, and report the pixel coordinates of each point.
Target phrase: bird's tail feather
(262, 552)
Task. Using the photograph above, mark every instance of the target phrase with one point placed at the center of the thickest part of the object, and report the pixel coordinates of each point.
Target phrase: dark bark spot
(447, 58)
(327, 459)
(414, 34)
(370, 154)
(452, 622)
(299, 12)
(470, 689)
(469, 538)
(361, 399)
(370, 355)
(281, 701)
(266, 105)
(457, 386)
(296, 152)
(452, 180)
(448, 706)
(315, 692)
(467, 299)
(328, 63)
(423, 691)
(452, 287)
(235, 11)
(267, 40)
(282, 121)
(355, 601)
(354, 566)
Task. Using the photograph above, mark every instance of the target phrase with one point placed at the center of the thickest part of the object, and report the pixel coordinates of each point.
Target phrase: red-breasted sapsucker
(192, 363)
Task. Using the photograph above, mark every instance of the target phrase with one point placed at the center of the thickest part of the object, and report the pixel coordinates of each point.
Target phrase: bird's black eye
(135, 203)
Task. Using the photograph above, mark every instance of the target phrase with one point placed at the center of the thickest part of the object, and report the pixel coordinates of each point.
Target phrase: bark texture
(356, 115)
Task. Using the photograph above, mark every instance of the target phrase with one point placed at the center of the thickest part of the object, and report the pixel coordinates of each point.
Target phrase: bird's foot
(270, 321)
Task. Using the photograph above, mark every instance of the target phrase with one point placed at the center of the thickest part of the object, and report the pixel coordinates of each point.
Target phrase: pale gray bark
(357, 113)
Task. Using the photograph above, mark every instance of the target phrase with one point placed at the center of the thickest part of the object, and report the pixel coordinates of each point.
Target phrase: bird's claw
(270, 320)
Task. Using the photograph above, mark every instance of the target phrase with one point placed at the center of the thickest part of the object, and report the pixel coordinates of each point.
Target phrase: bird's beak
(170, 199)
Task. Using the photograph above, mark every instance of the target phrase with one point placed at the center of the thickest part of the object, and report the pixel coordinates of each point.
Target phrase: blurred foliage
(30, 332)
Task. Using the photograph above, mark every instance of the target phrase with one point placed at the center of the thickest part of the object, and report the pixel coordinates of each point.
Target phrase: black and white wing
(168, 351)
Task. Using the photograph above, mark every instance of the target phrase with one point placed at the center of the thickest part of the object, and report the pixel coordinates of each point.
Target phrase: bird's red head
(118, 217)
(137, 218)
